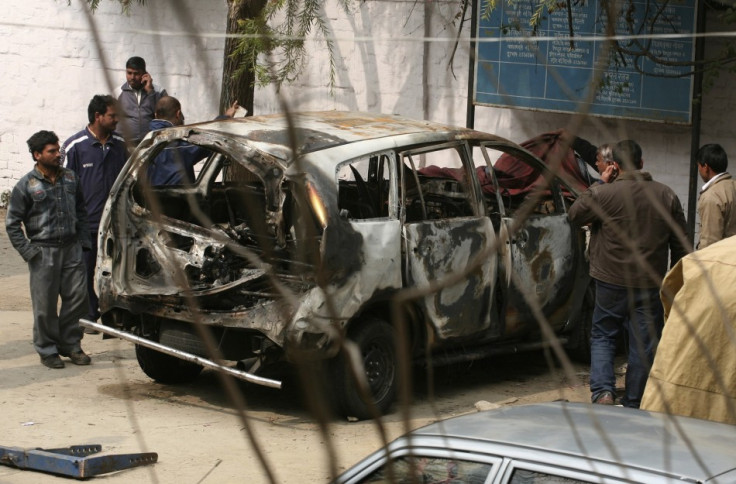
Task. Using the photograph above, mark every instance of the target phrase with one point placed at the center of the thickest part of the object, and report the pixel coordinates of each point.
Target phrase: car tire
(164, 368)
(578, 345)
(377, 343)
(181, 336)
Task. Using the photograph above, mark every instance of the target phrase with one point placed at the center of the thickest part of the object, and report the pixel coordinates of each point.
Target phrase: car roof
(646, 440)
(319, 130)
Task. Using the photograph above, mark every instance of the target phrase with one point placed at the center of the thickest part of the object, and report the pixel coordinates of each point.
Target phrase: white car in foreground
(560, 443)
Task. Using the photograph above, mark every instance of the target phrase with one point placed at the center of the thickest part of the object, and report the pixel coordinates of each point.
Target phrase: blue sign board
(544, 72)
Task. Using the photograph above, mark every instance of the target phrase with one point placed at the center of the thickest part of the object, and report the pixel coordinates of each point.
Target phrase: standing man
(598, 157)
(48, 203)
(137, 100)
(175, 164)
(717, 201)
(635, 223)
(96, 154)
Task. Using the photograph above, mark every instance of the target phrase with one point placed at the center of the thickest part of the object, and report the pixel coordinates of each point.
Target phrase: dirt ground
(195, 428)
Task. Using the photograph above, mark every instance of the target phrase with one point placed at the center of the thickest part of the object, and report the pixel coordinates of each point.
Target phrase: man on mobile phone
(598, 157)
(637, 228)
(137, 101)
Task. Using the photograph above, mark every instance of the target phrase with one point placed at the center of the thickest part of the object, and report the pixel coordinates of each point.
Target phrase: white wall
(385, 74)
(51, 66)
(51, 69)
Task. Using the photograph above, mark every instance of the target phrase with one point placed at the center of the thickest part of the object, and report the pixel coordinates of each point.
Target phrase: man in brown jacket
(717, 201)
(635, 223)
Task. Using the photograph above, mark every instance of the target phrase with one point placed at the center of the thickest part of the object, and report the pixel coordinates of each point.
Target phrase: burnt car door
(449, 242)
(367, 192)
(540, 251)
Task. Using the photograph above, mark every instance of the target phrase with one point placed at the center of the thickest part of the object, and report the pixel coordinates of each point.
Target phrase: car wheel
(376, 340)
(164, 368)
(181, 336)
(578, 346)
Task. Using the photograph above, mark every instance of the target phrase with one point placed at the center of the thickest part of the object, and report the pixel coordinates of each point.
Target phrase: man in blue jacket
(175, 164)
(48, 203)
(96, 154)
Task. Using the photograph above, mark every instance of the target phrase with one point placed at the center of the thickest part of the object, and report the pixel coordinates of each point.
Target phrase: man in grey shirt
(137, 101)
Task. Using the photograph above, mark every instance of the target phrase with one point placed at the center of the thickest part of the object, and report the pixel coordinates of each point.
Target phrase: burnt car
(305, 233)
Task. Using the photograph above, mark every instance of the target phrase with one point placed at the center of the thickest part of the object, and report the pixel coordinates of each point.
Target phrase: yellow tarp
(694, 371)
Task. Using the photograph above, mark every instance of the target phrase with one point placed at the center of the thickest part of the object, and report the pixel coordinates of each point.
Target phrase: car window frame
(393, 209)
(588, 471)
(555, 182)
(495, 462)
(473, 192)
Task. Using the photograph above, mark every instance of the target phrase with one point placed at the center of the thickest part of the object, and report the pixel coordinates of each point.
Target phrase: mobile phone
(615, 169)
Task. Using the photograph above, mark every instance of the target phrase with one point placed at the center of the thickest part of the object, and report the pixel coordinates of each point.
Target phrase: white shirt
(712, 181)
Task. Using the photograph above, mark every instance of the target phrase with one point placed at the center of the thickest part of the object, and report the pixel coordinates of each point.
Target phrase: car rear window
(428, 470)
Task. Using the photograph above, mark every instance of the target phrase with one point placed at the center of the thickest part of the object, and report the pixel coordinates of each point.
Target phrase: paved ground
(195, 428)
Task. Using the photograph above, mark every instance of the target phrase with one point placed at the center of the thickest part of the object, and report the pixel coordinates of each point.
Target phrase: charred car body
(298, 233)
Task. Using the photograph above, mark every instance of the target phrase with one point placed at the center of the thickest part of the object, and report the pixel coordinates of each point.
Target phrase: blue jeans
(639, 311)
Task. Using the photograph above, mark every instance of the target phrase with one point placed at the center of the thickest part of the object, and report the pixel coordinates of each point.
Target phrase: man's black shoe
(52, 361)
(605, 398)
(80, 358)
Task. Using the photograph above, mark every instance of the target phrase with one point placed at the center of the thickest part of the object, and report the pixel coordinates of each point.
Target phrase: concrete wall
(52, 67)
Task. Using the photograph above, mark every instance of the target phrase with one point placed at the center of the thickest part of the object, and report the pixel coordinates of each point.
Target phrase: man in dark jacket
(137, 100)
(174, 165)
(96, 154)
(636, 223)
(47, 225)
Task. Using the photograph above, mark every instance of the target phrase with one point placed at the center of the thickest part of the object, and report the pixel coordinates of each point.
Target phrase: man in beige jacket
(717, 201)
(693, 372)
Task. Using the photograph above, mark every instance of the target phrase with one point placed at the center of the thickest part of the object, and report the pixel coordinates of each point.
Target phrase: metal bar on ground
(241, 375)
(73, 461)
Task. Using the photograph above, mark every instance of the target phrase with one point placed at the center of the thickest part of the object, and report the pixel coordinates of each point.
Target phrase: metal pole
(470, 111)
(426, 52)
(242, 375)
(696, 106)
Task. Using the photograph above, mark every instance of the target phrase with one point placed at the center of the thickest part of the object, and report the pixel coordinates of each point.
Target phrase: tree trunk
(241, 89)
